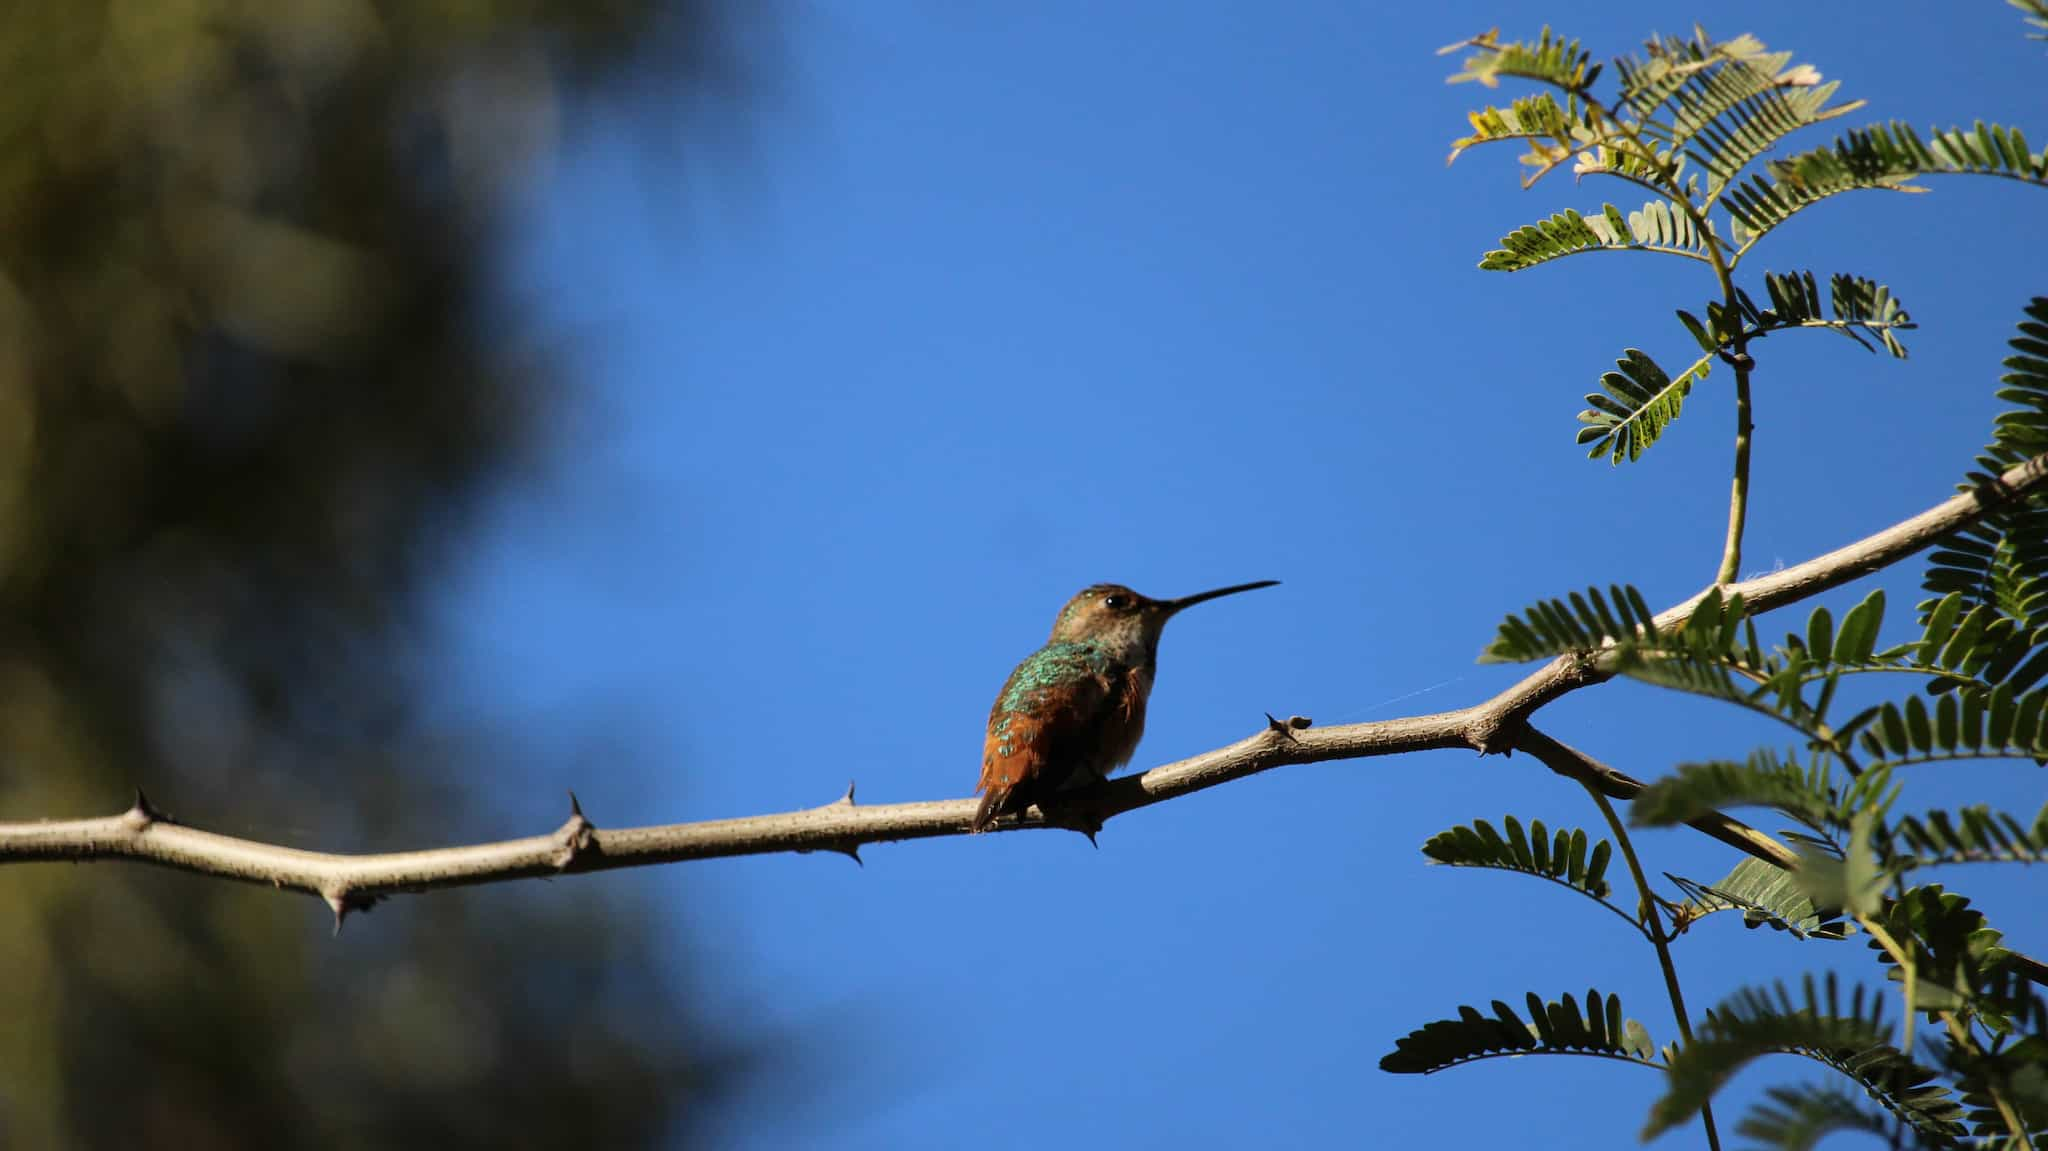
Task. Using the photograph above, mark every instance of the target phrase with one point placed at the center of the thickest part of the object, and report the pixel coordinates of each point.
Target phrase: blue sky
(986, 303)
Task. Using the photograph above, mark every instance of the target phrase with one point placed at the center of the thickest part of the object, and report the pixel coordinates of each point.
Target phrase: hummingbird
(1074, 710)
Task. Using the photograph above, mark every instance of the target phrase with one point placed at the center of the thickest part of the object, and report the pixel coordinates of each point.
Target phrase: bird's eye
(1115, 601)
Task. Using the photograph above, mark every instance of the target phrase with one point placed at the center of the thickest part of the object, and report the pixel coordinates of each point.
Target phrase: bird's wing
(1042, 719)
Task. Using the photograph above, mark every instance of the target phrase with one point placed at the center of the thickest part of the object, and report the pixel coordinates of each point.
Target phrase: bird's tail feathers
(991, 806)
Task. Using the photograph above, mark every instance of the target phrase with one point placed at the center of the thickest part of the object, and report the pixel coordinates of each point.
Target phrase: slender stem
(1631, 920)
(1738, 358)
(1960, 1033)
(1654, 928)
(1954, 678)
(1570, 762)
(1724, 274)
(1738, 500)
(1905, 962)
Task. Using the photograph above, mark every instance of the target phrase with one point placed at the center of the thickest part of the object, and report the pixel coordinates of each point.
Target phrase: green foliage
(1707, 656)
(2016, 1074)
(1587, 623)
(2021, 1010)
(1883, 156)
(2000, 563)
(1712, 676)
(2022, 433)
(1853, 306)
(1697, 123)
(1961, 646)
(1858, 637)
(1765, 780)
(1723, 103)
(1978, 659)
(1852, 878)
(1797, 1118)
(1621, 620)
(1998, 724)
(1852, 1038)
(1955, 649)
(1766, 896)
(1875, 159)
(2037, 11)
(1973, 835)
(1979, 645)
(1652, 81)
(1563, 859)
(1656, 227)
(1688, 105)
(2012, 1068)
(1634, 405)
(1808, 794)
(1953, 950)
(1534, 118)
(1549, 59)
(1555, 1028)
(1715, 654)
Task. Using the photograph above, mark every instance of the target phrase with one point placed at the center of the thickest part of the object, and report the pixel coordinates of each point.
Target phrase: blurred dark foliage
(250, 392)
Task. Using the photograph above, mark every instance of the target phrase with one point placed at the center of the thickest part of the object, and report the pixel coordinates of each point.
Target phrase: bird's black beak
(1173, 606)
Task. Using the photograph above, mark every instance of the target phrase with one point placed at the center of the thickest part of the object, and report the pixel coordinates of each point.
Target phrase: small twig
(1738, 496)
(1572, 763)
(1907, 968)
(1653, 927)
(1959, 1031)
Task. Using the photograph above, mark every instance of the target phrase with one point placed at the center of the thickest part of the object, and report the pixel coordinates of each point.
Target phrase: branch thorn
(846, 799)
(1083, 821)
(142, 812)
(338, 902)
(575, 833)
(1293, 724)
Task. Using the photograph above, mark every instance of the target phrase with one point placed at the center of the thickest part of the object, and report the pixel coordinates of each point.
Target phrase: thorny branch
(354, 882)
